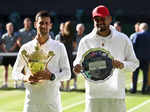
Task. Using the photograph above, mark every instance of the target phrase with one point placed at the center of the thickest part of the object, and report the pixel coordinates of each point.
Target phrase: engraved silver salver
(97, 65)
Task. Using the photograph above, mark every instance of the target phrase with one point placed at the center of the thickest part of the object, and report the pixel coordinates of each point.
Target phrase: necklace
(103, 42)
(104, 39)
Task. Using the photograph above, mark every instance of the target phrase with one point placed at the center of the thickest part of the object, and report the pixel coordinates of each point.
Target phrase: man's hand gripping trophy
(37, 63)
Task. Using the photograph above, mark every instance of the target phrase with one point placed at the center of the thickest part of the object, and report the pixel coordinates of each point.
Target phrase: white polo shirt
(121, 49)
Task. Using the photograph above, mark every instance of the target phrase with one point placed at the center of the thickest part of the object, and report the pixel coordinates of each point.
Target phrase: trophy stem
(25, 59)
(48, 61)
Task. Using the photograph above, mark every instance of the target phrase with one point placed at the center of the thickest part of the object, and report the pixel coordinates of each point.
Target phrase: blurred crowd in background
(17, 32)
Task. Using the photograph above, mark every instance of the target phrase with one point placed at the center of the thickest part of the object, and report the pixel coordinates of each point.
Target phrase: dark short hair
(42, 14)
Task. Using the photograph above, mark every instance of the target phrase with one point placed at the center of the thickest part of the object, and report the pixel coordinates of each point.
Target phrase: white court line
(81, 102)
(139, 106)
(73, 105)
(130, 110)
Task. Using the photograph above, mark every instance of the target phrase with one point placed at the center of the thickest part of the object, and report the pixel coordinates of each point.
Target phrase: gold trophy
(38, 60)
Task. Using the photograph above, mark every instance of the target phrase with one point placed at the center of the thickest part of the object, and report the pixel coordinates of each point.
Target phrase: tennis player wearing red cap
(110, 95)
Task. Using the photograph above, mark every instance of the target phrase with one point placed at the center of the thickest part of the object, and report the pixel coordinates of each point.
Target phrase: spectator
(132, 38)
(26, 34)
(141, 46)
(136, 28)
(118, 26)
(61, 28)
(67, 38)
(79, 35)
(8, 44)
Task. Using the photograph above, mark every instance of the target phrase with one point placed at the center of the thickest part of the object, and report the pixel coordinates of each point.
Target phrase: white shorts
(105, 105)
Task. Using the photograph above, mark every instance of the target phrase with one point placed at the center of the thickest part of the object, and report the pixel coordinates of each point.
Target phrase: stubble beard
(100, 30)
(43, 33)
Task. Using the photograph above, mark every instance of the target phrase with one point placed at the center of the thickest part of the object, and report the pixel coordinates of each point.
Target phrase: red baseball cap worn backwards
(100, 11)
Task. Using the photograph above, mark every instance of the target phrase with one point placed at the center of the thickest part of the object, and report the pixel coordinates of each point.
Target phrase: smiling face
(102, 23)
(43, 25)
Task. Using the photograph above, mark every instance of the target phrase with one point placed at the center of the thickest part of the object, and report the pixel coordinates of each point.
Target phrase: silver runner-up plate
(97, 65)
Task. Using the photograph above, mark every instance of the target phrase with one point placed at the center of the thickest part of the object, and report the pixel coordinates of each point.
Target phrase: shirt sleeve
(33, 33)
(65, 72)
(16, 35)
(81, 49)
(18, 67)
(57, 37)
(130, 62)
(2, 40)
